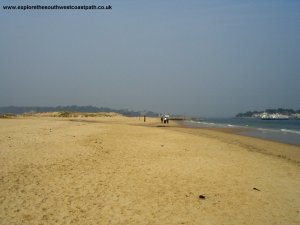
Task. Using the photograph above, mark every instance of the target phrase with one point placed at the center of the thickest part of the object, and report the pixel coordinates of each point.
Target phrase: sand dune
(119, 170)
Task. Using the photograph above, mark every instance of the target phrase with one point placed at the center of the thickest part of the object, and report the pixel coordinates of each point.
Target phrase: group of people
(165, 119)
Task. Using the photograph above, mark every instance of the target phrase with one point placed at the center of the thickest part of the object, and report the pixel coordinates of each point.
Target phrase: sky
(209, 58)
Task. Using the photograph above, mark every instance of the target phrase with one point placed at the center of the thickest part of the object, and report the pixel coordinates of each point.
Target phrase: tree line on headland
(281, 111)
(73, 108)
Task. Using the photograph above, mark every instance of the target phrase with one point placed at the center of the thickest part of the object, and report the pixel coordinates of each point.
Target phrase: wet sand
(118, 170)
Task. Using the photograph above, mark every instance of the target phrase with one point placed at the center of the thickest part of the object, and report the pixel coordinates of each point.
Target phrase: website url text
(56, 7)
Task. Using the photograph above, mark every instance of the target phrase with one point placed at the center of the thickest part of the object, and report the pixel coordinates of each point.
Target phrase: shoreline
(287, 151)
(267, 133)
(234, 135)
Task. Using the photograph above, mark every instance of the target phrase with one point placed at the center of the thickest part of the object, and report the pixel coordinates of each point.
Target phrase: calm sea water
(286, 131)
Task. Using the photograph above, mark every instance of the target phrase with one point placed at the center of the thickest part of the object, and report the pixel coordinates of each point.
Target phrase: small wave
(278, 130)
(290, 131)
(203, 123)
(264, 130)
(230, 125)
(211, 124)
(206, 123)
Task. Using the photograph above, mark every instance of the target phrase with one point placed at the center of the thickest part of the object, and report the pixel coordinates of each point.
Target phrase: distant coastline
(272, 114)
(73, 108)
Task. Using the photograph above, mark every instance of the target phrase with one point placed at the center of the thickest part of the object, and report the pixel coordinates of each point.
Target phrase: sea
(285, 131)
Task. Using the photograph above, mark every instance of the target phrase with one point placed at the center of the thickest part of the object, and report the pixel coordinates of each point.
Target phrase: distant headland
(272, 114)
(73, 108)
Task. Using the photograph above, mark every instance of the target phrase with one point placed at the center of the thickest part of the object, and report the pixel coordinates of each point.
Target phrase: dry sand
(123, 171)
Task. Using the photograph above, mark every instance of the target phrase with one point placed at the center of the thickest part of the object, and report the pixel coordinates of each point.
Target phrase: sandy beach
(119, 170)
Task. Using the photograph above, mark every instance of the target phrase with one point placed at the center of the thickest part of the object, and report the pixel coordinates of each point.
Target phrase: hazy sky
(193, 57)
